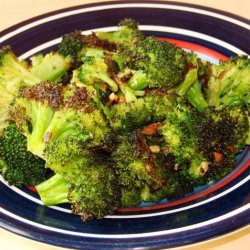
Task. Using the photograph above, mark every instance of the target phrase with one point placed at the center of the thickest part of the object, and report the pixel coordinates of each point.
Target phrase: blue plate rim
(246, 213)
(50, 13)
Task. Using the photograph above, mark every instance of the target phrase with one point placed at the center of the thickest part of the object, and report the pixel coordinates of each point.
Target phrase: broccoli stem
(229, 100)
(109, 81)
(53, 191)
(213, 95)
(190, 78)
(190, 87)
(196, 98)
(138, 81)
(128, 93)
(44, 115)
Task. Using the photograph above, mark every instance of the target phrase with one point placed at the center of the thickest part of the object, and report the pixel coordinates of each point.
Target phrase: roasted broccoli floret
(127, 34)
(49, 67)
(18, 166)
(163, 63)
(78, 120)
(90, 186)
(157, 64)
(222, 134)
(153, 107)
(228, 82)
(14, 74)
(33, 111)
(74, 46)
(143, 171)
(204, 144)
(224, 130)
(179, 129)
(93, 186)
(75, 135)
(95, 70)
(98, 194)
(71, 45)
(134, 163)
(180, 132)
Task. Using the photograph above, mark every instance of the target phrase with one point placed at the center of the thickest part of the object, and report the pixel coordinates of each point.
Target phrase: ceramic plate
(210, 211)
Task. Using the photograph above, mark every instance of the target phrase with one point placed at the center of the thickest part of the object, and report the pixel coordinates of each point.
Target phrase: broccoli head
(180, 131)
(14, 74)
(71, 44)
(98, 194)
(153, 107)
(78, 120)
(93, 187)
(74, 44)
(228, 82)
(163, 63)
(95, 70)
(134, 163)
(224, 131)
(204, 145)
(20, 167)
(33, 111)
(127, 34)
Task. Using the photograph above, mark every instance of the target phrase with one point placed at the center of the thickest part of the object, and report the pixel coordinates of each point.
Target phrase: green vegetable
(120, 119)
(33, 112)
(126, 117)
(163, 64)
(95, 70)
(53, 191)
(93, 188)
(18, 166)
(50, 67)
(228, 82)
(127, 34)
(14, 75)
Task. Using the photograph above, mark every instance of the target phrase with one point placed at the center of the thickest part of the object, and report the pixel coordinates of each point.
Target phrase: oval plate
(213, 211)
